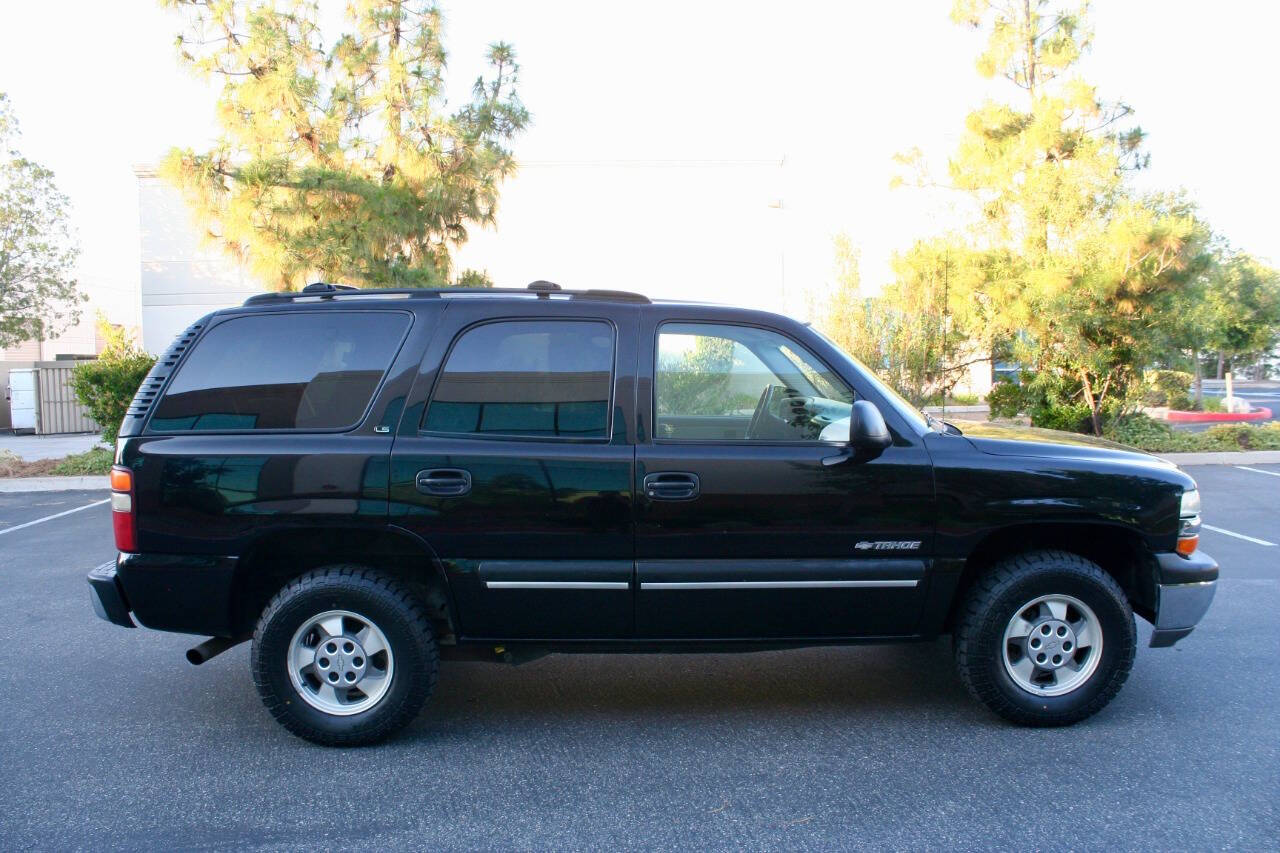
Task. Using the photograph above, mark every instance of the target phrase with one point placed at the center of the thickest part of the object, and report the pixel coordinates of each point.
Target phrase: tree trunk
(1195, 359)
(1093, 404)
(1220, 363)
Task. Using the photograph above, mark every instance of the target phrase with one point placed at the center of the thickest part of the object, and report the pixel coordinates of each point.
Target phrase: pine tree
(1073, 268)
(338, 158)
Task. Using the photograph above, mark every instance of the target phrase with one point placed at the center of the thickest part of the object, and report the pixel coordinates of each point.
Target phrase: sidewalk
(12, 485)
(29, 448)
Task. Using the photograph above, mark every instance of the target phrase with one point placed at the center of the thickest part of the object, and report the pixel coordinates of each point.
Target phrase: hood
(1001, 440)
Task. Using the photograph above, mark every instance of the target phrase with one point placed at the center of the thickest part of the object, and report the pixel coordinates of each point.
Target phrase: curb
(52, 484)
(1224, 457)
(1181, 417)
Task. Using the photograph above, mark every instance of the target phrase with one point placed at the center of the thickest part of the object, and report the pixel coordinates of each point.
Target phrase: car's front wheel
(344, 655)
(1045, 638)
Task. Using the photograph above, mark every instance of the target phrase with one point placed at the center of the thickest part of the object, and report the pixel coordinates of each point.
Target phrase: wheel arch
(1119, 550)
(277, 557)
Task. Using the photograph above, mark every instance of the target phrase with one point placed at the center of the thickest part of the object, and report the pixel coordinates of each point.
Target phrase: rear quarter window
(289, 371)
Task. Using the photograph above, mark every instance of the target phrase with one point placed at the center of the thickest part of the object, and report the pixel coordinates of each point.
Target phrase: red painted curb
(1260, 414)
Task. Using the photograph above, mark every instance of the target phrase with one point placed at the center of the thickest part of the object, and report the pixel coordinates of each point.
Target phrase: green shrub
(1140, 431)
(1069, 417)
(1211, 404)
(95, 461)
(1242, 437)
(1005, 399)
(1167, 388)
(105, 387)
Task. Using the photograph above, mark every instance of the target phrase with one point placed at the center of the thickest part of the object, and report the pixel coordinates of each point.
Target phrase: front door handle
(443, 482)
(671, 486)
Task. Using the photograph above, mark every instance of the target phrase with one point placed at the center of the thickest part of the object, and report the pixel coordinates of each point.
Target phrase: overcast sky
(835, 89)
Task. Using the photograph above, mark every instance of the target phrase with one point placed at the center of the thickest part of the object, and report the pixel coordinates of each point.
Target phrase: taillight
(122, 518)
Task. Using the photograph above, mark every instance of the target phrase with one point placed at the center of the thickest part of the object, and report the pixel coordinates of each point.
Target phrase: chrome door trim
(557, 585)
(865, 584)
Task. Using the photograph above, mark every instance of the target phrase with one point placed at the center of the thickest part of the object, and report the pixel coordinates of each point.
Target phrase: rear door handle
(671, 486)
(443, 482)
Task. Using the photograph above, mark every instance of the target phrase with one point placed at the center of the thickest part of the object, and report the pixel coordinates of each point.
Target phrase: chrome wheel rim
(340, 662)
(1052, 645)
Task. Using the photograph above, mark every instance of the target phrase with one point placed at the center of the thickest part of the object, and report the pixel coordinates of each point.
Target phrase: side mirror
(867, 429)
(868, 435)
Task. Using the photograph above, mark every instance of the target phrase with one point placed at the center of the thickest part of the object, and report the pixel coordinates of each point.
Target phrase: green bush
(1168, 388)
(106, 387)
(1069, 417)
(95, 461)
(1212, 404)
(1140, 431)
(1005, 399)
(1242, 437)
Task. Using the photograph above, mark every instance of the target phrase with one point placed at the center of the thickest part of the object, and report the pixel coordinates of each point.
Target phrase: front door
(750, 521)
(513, 463)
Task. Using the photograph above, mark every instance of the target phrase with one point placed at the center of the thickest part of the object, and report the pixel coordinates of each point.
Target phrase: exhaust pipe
(213, 647)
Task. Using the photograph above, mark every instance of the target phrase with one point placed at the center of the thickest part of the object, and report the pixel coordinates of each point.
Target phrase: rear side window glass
(303, 371)
(549, 378)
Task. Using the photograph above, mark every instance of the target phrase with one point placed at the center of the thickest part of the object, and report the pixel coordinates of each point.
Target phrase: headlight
(1189, 522)
(1190, 503)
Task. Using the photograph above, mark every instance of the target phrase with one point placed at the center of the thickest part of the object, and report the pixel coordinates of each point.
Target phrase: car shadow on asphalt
(857, 681)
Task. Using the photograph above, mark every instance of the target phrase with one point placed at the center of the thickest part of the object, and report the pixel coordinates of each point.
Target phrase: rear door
(514, 463)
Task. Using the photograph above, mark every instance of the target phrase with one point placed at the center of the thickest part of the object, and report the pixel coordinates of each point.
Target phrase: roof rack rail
(538, 289)
(325, 287)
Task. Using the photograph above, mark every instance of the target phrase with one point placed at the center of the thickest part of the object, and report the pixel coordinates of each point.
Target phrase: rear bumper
(107, 596)
(166, 592)
(1186, 589)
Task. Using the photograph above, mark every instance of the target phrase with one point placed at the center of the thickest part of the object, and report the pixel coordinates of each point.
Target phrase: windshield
(899, 403)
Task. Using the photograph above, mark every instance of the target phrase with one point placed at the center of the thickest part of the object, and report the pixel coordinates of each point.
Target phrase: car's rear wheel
(344, 655)
(1045, 638)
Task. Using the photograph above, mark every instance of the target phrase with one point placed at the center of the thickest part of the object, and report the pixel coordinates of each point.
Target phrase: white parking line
(1258, 471)
(52, 517)
(1238, 535)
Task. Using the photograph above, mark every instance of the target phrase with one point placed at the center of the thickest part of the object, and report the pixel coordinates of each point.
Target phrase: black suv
(366, 481)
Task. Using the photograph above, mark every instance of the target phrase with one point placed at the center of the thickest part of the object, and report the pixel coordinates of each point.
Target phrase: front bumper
(107, 596)
(1183, 595)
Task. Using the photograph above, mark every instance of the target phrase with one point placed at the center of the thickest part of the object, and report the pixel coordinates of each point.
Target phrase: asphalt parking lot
(111, 739)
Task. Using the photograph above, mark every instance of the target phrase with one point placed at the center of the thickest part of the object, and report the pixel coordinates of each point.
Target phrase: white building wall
(182, 276)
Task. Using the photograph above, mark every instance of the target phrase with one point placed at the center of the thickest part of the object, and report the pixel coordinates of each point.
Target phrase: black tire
(397, 613)
(994, 600)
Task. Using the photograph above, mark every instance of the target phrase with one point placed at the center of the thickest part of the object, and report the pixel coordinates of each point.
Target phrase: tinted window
(304, 370)
(740, 383)
(534, 378)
